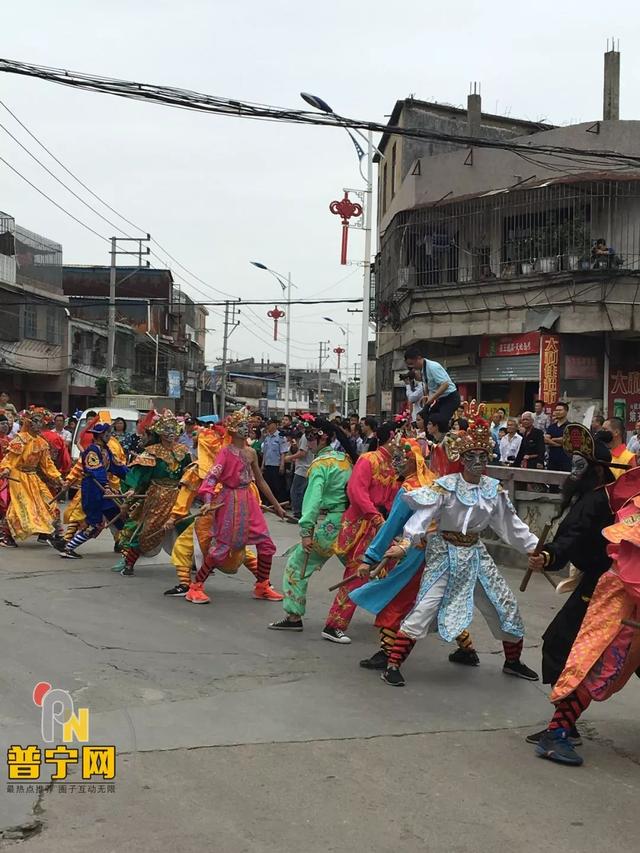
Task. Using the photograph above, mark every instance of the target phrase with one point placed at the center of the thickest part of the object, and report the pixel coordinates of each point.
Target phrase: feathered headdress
(36, 415)
(165, 423)
(232, 423)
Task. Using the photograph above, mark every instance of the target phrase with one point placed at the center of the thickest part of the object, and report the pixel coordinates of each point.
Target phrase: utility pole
(366, 287)
(230, 323)
(288, 353)
(324, 345)
(111, 313)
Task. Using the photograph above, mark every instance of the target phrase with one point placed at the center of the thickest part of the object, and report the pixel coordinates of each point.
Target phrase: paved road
(235, 738)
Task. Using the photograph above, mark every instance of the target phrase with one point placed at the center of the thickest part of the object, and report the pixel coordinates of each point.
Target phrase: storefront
(510, 371)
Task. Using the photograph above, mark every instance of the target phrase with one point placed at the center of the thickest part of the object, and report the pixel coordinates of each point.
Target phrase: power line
(191, 100)
(54, 203)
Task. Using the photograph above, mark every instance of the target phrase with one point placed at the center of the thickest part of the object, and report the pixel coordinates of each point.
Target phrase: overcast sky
(220, 192)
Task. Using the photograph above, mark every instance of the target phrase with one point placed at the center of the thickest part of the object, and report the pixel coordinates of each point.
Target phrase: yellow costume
(30, 510)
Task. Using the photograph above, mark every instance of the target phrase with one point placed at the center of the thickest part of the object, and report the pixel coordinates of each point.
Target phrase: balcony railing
(568, 224)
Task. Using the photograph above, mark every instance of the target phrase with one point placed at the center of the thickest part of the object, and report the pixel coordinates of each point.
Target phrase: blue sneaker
(119, 566)
(555, 746)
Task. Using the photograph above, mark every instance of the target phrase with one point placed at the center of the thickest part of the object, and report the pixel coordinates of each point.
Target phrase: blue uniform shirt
(434, 375)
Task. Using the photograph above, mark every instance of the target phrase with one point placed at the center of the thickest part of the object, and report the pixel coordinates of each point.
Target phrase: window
(30, 321)
(52, 327)
(384, 188)
(394, 155)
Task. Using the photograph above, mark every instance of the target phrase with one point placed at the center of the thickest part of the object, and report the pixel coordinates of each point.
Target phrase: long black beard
(573, 489)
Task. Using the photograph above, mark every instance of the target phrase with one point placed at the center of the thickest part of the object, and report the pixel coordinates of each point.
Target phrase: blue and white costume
(460, 572)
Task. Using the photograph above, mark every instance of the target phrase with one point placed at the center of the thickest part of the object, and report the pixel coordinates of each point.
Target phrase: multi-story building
(160, 334)
(517, 269)
(34, 357)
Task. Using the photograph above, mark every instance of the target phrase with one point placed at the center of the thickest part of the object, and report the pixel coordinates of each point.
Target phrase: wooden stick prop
(631, 623)
(287, 515)
(377, 569)
(62, 492)
(538, 549)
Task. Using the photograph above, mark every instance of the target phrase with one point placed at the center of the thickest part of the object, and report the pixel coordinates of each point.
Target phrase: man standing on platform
(274, 449)
(442, 396)
(558, 459)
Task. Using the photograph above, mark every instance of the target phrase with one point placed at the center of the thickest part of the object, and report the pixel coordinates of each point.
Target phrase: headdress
(100, 428)
(411, 448)
(233, 422)
(165, 423)
(478, 433)
(103, 417)
(36, 415)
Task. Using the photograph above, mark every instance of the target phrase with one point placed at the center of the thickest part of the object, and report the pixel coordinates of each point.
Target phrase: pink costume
(237, 520)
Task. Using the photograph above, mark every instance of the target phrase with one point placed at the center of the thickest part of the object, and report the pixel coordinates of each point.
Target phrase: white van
(130, 415)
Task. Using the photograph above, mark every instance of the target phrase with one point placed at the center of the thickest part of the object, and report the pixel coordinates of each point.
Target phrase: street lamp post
(285, 288)
(345, 332)
(320, 104)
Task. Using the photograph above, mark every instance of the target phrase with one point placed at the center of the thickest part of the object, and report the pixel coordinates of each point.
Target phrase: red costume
(371, 489)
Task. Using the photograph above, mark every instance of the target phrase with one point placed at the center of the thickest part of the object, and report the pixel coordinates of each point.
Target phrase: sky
(219, 192)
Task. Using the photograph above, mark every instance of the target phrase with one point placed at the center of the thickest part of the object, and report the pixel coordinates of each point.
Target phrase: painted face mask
(579, 466)
(475, 462)
(242, 429)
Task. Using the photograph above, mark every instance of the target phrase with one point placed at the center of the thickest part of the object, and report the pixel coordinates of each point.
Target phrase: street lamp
(286, 289)
(319, 103)
(345, 332)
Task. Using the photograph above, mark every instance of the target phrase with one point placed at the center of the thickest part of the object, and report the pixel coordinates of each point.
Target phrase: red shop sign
(510, 345)
(581, 367)
(550, 369)
(624, 396)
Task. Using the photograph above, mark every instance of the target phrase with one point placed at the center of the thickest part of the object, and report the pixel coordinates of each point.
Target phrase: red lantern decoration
(346, 209)
(338, 351)
(275, 314)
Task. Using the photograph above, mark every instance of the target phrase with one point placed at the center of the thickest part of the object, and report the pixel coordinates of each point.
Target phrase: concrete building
(34, 360)
(160, 335)
(490, 259)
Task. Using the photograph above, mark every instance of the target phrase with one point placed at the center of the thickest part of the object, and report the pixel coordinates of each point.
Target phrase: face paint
(475, 462)
(242, 429)
(579, 466)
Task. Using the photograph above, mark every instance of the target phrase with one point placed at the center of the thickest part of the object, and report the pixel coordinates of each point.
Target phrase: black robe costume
(578, 540)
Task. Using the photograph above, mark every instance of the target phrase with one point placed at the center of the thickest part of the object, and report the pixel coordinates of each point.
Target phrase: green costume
(324, 502)
(157, 473)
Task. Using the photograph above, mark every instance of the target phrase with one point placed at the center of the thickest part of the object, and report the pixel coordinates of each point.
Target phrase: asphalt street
(232, 738)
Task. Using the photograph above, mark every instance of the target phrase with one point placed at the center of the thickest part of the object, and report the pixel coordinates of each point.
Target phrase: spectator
(510, 444)
(442, 397)
(127, 440)
(414, 389)
(72, 423)
(619, 450)
(634, 442)
(558, 459)
(58, 426)
(301, 459)
(531, 452)
(190, 437)
(597, 423)
(274, 450)
(6, 405)
(498, 422)
(369, 438)
(541, 419)
(600, 255)
(459, 425)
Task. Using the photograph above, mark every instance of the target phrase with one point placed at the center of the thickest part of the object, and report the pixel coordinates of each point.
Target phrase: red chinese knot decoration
(275, 314)
(345, 209)
(338, 351)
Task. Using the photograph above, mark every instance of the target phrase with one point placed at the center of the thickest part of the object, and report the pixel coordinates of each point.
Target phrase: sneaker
(58, 543)
(467, 657)
(127, 572)
(286, 625)
(520, 670)
(196, 594)
(393, 677)
(265, 591)
(119, 566)
(555, 746)
(180, 589)
(377, 661)
(335, 635)
(573, 736)
(8, 542)
(70, 555)
(43, 538)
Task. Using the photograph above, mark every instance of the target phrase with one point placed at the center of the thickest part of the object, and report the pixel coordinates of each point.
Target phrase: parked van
(130, 416)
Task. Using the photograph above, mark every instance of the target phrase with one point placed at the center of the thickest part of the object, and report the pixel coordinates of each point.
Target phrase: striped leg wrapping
(401, 649)
(387, 640)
